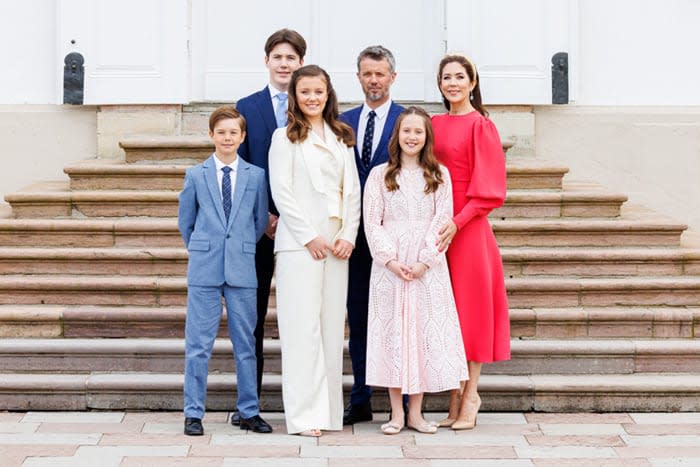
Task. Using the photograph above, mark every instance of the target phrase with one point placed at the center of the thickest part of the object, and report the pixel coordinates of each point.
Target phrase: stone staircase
(605, 298)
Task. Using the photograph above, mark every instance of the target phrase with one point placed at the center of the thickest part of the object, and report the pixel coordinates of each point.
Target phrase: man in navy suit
(222, 214)
(265, 111)
(373, 123)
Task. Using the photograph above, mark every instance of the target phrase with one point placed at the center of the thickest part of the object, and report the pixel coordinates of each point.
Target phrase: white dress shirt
(379, 120)
(274, 93)
(220, 174)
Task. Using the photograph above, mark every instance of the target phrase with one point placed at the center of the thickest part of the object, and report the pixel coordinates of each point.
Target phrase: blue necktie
(226, 191)
(281, 110)
(367, 142)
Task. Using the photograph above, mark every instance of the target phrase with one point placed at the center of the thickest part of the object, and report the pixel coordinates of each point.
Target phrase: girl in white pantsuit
(316, 189)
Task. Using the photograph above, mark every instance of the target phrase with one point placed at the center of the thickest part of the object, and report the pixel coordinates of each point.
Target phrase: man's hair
(286, 36)
(377, 52)
(224, 112)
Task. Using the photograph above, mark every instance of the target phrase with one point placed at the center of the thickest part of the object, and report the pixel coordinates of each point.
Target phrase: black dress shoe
(357, 413)
(255, 424)
(235, 418)
(193, 427)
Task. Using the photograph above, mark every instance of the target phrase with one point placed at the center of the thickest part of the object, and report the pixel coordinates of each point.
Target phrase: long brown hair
(475, 97)
(426, 158)
(298, 127)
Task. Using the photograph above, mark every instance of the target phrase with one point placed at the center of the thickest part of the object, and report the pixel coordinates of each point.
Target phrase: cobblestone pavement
(153, 439)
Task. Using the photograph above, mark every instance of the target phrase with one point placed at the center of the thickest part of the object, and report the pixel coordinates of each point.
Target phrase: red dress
(469, 146)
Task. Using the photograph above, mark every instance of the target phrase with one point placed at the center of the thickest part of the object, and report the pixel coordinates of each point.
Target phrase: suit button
(228, 236)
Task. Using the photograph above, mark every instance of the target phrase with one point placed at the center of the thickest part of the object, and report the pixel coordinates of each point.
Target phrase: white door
(135, 51)
(228, 39)
(512, 42)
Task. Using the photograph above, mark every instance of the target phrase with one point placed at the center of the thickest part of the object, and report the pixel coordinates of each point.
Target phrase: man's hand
(271, 226)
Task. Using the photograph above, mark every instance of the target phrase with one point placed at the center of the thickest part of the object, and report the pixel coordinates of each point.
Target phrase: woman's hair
(475, 97)
(426, 158)
(298, 127)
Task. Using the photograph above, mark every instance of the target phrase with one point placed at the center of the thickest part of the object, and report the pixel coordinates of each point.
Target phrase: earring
(471, 96)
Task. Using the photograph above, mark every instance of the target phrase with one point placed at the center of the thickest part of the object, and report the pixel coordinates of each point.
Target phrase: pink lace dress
(414, 340)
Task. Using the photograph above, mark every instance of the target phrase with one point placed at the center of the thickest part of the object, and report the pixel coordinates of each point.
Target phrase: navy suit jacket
(259, 113)
(219, 251)
(381, 155)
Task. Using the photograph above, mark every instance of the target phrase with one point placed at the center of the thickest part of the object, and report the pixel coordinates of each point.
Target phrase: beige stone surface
(117, 121)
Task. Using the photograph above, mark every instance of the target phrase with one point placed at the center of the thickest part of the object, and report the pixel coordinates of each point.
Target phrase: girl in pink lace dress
(414, 343)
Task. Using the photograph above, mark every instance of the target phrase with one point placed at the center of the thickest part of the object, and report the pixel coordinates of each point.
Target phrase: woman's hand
(318, 247)
(401, 270)
(418, 269)
(342, 249)
(446, 234)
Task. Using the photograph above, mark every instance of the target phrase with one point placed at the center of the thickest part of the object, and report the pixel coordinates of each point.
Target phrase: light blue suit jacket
(219, 252)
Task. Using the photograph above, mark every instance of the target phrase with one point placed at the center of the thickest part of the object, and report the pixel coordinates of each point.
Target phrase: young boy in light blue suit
(222, 215)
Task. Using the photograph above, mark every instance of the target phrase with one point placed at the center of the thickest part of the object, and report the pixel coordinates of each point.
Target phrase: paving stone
(235, 451)
(661, 452)
(479, 429)
(166, 417)
(74, 417)
(15, 455)
(574, 440)
(255, 439)
(683, 461)
(660, 418)
(90, 427)
(458, 452)
(171, 461)
(267, 462)
(15, 427)
(49, 438)
(495, 418)
(100, 452)
(472, 440)
(482, 463)
(662, 440)
(662, 429)
(577, 418)
(71, 462)
(364, 439)
(383, 462)
(564, 452)
(590, 429)
(10, 417)
(379, 452)
(151, 439)
(591, 462)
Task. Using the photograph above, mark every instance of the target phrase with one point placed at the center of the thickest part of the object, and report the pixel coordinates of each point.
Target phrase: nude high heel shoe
(470, 422)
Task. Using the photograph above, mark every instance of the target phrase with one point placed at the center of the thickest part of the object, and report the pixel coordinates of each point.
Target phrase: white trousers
(311, 306)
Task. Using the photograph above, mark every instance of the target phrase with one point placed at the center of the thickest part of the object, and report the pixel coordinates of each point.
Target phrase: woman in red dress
(467, 143)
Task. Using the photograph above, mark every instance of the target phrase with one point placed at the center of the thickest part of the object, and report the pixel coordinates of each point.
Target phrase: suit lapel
(382, 153)
(242, 177)
(265, 106)
(209, 169)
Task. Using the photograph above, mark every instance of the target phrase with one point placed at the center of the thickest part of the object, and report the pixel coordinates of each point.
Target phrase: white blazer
(297, 186)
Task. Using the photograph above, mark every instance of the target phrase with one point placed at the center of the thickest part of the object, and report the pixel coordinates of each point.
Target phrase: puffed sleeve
(487, 188)
(281, 166)
(380, 245)
(429, 253)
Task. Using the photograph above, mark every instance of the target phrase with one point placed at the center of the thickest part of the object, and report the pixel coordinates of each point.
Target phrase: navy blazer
(259, 113)
(381, 155)
(221, 252)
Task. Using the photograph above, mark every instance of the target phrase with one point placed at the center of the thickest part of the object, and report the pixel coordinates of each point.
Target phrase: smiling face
(311, 96)
(376, 79)
(412, 136)
(227, 136)
(281, 62)
(455, 84)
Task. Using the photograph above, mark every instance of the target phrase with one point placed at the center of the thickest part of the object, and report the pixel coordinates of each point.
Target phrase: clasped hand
(407, 273)
(342, 249)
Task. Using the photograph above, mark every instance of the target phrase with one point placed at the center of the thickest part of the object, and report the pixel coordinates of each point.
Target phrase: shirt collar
(274, 91)
(220, 165)
(381, 111)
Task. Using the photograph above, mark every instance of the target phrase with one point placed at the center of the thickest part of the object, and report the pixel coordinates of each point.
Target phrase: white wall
(28, 38)
(637, 52)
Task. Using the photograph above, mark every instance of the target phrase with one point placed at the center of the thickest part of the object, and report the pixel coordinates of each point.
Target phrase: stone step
(110, 261)
(55, 199)
(75, 321)
(107, 174)
(523, 292)
(582, 262)
(162, 232)
(547, 393)
(179, 148)
(551, 356)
